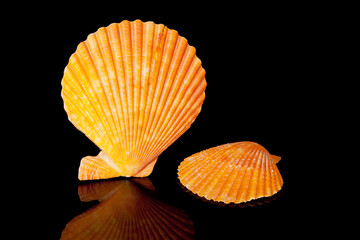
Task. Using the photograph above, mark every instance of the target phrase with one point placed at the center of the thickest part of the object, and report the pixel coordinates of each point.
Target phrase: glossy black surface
(252, 78)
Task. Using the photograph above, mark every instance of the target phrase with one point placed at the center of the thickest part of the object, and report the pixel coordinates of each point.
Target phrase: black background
(254, 62)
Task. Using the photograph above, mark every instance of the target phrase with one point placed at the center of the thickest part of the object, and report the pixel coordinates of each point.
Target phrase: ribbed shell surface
(132, 88)
(231, 173)
(128, 209)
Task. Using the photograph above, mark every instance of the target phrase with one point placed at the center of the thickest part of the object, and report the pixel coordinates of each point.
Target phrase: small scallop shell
(128, 209)
(232, 173)
(132, 88)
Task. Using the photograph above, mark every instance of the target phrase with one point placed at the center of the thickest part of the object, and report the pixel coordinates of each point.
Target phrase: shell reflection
(128, 209)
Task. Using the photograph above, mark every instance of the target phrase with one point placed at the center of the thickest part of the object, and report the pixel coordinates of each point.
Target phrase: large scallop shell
(128, 209)
(132, 88)
(232, 173)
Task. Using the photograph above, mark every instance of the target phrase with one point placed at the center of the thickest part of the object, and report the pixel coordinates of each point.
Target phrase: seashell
(132, 88)
(128, 209)
(232, 173)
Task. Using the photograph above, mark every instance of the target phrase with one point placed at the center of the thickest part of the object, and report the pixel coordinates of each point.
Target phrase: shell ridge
(93, 48)
(195, 180)
(186, 121)
(189, 180)
(150, 88)
(236, 184)
(268, 188)
(256, 175)
(113, 35)
(168, 86)
(73, 119)
(79, 89)
(197, 88)
(174, 134)
(189, 110)
(169, 49)
(229, 181)
(101, 118)
(272, 187)
(178, 80)
(158, 48)
(67, 89)
(105, 157)
(98, 95)
(80, 101)
(159, 83)
(188, 177)
(148, 36)
(96, 167)
(122, 86)
(205, 182)
(251, 193)
(136, 36)
(249, 170)
(212, 190)
(115, 89)
(259, 176)
(185, 166)
(188, 163)
(146, 169)
(266, 177)
(126, 50)
(110, 99)
(273, 176)
(130, 50)
(170, 108)
(116, 85)
(186, 78)
(211, 152)
(260, 183)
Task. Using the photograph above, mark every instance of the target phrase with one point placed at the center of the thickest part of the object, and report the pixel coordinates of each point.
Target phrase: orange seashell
(128, 209)
(132, 88)
(232, 173)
